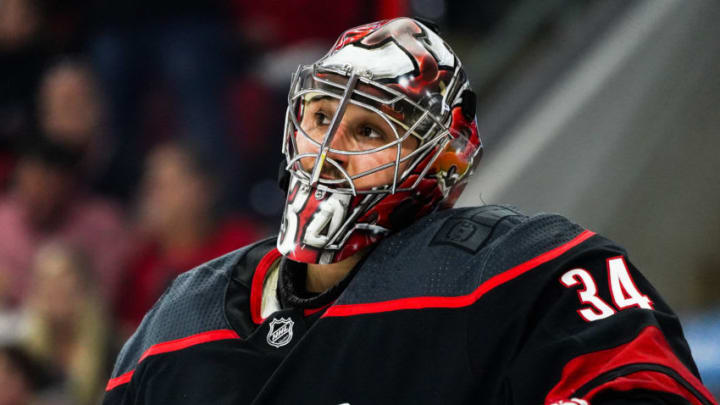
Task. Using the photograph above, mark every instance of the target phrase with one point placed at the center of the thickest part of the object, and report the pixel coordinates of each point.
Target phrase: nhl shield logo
(281, 332)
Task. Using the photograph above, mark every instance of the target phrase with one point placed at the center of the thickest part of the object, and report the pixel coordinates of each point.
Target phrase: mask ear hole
(468, 104)
(283, 179)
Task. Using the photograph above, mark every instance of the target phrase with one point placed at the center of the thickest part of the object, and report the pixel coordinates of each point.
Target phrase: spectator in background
(180, 224)
(65, 324)
(47, 201)
(71, 113)
(50, 196)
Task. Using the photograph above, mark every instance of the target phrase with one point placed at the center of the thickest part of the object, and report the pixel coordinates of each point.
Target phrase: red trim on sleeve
(174, 345)
(649, 346)
(256, 289)
(120, 380)
(650, 380)
(457, 301)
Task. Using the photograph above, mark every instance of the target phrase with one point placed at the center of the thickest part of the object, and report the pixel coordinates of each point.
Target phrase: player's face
(359, 130)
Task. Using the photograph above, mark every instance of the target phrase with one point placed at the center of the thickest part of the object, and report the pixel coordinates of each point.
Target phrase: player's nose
(340, 142)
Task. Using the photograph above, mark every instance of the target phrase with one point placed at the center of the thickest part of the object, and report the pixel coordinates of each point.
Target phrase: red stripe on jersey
(186, 342)
(457, 301)
(310, 311)
(649, 347)
(120, 380)
(256, 289)
(175, 345)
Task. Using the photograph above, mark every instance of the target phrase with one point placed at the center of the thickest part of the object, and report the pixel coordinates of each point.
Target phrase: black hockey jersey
(474, 305)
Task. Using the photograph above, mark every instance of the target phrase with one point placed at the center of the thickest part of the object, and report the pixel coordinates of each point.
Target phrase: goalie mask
(378, 133)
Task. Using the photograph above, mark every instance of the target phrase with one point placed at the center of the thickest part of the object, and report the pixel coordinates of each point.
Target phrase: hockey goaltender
(375, 291)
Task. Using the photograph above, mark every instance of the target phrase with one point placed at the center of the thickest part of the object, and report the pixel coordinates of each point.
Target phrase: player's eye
(368, 132)
(321, 119)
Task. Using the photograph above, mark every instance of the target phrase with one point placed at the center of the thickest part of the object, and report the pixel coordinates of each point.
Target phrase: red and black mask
(379, 132)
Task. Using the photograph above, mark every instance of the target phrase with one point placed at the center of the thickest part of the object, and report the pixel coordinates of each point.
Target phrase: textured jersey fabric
(474, 305)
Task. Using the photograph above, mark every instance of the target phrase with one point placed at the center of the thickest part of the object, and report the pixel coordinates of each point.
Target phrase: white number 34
(622, 289)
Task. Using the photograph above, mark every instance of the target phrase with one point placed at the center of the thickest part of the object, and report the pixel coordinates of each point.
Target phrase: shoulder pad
(452, 252)
(471, 229)
(192, 304)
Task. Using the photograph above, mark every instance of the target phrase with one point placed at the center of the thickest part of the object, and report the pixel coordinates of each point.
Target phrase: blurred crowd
(137, 140)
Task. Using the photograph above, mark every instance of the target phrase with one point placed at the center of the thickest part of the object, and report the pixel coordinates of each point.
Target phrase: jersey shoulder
(452, 252)
(192, 304)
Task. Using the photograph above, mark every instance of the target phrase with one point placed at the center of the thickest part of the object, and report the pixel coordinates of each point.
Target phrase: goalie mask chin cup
(405, 73)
